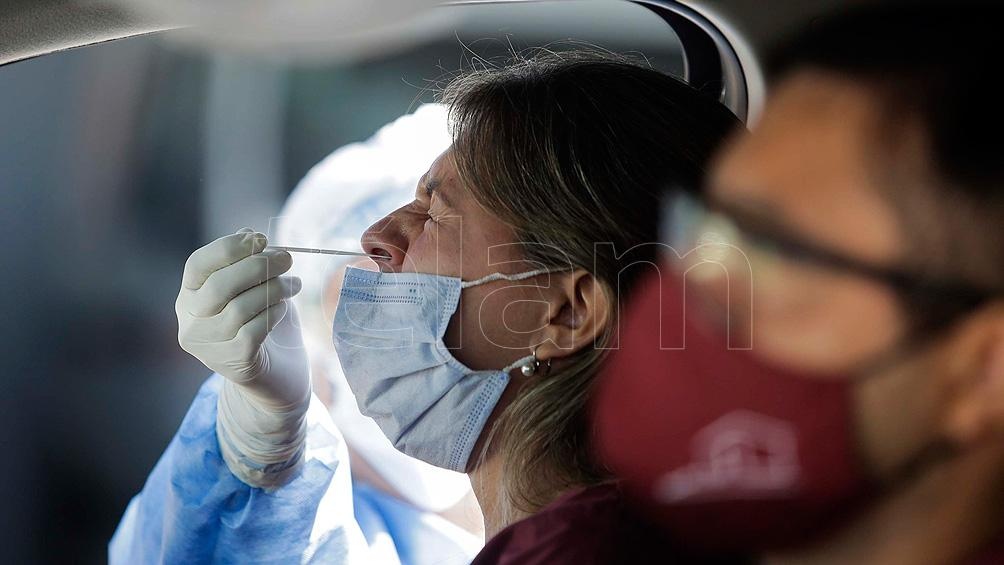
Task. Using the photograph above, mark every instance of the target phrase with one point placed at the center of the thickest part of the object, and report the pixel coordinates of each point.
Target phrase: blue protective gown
(192, 509)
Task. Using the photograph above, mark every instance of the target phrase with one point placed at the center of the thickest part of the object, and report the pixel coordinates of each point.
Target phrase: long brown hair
(574, 150)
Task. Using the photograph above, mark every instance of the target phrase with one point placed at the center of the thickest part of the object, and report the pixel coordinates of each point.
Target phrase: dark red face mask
(721, 449)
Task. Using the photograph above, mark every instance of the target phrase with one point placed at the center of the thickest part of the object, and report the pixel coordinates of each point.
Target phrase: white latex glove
(235, 316)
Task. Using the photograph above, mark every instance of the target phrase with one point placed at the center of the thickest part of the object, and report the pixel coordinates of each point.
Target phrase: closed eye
(436, 212)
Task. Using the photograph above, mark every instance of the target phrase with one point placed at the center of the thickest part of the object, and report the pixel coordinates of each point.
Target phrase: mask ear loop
(530, 364)
(504, 277)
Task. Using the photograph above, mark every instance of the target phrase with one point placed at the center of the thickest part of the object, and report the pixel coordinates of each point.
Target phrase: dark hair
(573, 149)
(931, 65)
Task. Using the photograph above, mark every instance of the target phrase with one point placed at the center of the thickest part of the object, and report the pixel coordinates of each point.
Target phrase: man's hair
(932, 65)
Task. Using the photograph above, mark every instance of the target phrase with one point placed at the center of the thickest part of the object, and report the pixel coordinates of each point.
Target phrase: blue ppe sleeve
(396, 530)
(193, 510)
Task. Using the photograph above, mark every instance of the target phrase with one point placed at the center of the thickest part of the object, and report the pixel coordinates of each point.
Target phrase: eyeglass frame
(947, 299)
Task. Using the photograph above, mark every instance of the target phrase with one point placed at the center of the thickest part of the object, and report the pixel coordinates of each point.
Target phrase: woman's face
(446, 231)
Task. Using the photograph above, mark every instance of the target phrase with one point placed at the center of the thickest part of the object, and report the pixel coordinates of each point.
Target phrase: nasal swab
(327, 251)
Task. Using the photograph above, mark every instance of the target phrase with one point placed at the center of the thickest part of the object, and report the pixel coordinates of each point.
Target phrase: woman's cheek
(429, 254)
(420, 254)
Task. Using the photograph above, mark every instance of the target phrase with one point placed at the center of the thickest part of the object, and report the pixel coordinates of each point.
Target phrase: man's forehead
(813, 133)
(812, 159)
(821, 107)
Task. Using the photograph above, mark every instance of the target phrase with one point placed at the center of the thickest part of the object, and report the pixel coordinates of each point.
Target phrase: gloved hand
(235, 316)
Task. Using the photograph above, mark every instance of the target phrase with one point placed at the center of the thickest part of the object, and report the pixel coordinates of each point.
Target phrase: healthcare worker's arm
(194, 510)
(235, 316)
(253, 425)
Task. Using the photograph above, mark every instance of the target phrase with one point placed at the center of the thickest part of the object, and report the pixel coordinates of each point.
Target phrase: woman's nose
(386, 238)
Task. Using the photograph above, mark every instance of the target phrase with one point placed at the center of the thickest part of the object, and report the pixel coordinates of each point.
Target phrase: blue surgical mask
(388, 332)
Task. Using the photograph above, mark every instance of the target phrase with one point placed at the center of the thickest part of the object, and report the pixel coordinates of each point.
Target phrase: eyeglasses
(703, 232)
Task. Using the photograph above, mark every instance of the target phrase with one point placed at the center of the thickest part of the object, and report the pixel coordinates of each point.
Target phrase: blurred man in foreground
(833, 391)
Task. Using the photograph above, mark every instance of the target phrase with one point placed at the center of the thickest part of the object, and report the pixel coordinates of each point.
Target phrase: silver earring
(530, 367)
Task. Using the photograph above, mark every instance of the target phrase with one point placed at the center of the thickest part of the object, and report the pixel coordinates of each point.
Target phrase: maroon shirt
(594, 526)
(584, 527)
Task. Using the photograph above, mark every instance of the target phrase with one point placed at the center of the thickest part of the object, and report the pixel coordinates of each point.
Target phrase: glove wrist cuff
(261, 445)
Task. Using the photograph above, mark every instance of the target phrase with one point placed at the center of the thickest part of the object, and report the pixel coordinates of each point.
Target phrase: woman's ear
(976, 409)
(579, 313)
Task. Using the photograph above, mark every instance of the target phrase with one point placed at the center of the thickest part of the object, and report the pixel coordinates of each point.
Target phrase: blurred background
(117, 161)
